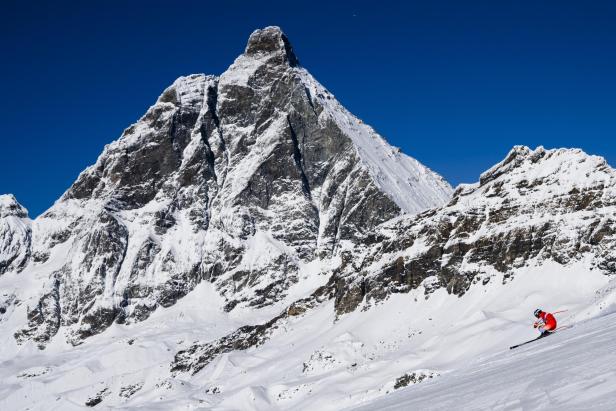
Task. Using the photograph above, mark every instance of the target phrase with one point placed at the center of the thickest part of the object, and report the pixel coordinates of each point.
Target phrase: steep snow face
(15, 234)
(241, 180)
(410, 184)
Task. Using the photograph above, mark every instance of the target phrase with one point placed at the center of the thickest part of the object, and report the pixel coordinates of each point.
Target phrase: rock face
(15, 235)
(237, 180)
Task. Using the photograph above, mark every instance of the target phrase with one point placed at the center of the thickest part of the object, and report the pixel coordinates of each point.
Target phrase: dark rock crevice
(297, 157)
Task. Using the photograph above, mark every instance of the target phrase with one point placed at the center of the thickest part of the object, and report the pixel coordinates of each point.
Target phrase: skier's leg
(544, 331)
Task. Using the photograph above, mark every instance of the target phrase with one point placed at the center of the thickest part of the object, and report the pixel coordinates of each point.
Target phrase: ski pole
(561, 311)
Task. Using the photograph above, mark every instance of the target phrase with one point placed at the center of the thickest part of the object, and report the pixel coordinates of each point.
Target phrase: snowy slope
(571, 370)
(311, 361)
(321, 363)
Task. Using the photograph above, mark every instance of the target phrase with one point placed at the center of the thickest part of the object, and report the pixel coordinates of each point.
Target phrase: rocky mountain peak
(515, 156)
(535, 174)
(186, 90)
(271, 40)
(15, 234)
(10, 207)
(239, 180)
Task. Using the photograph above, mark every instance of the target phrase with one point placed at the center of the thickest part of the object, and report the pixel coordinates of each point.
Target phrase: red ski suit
(548, 320)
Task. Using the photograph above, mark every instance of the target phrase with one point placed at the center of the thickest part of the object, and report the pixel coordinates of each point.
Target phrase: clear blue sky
(454, 83)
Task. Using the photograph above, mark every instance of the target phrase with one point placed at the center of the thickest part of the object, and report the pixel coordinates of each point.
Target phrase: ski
(530, 341)
(524, 343)
(564, 327)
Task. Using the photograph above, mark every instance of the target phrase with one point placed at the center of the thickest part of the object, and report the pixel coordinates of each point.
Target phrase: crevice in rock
(297, 156)
(338, 219)
(212, 104)
(309, 96)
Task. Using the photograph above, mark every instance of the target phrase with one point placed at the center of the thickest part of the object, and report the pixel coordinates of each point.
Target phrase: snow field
(317, 361)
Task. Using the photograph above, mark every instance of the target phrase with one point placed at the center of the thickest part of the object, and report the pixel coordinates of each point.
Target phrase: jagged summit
(15, 234)
(534, 174)
(271, 40)
(10, 207)
(565, 157)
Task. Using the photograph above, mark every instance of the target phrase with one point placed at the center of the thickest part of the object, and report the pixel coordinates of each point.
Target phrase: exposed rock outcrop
(534, 206)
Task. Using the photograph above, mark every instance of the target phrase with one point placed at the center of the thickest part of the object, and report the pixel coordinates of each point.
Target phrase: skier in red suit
(546, 323)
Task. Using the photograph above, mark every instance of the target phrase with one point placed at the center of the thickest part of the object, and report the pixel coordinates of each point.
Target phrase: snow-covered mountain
(237, 180)
(250, 244)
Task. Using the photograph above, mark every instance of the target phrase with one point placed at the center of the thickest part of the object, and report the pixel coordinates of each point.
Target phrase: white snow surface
(573, 369)
(315, 361)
